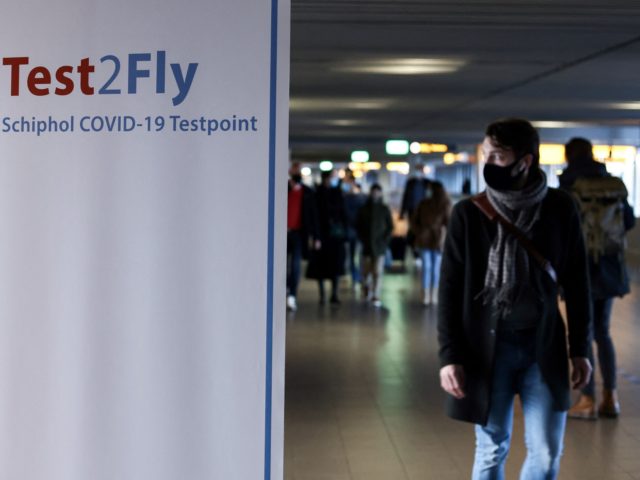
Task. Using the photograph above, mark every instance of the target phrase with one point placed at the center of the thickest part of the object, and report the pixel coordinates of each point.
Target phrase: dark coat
(414, 191)
(375, 226)
(429, 224)
(353, 202)
(609, 276)
(309, 229)
(467, 327)
(329, 261)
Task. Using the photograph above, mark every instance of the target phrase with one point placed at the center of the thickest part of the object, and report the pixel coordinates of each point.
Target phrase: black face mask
(503, 178)
(296, 178)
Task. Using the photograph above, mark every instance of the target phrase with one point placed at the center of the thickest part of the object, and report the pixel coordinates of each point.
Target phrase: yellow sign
(553, 153)
(417, 147)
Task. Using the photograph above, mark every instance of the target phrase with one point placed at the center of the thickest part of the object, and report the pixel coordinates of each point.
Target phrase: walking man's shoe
(610, 406)
(584, 408)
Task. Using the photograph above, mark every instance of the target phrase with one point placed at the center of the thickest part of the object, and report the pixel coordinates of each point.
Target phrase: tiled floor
(363, 400)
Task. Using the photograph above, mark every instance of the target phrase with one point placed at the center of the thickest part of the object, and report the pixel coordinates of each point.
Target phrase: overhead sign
(397, 147)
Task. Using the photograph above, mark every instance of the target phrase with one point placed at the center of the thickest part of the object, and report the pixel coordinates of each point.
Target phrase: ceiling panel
(543, 60)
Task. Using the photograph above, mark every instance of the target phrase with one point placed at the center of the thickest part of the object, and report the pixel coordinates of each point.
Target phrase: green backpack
(601, 202)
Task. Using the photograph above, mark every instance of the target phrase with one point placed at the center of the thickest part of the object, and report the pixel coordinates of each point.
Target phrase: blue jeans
(606, 351)
(516, 372)
(431, 260)
(294, 257)
(354, 265)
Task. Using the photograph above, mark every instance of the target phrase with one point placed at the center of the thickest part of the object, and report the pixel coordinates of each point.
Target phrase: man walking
(375, 226)
(499, 328)
(607, 216)
(302, 229)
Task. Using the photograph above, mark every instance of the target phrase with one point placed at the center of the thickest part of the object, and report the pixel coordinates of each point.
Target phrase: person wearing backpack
(606, 217)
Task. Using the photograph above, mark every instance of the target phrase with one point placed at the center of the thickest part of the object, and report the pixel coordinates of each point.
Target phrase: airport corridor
(363, 400)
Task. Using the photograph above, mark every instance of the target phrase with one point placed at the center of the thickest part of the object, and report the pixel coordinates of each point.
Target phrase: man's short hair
(577, 149)
(375, 186)
(518, 135)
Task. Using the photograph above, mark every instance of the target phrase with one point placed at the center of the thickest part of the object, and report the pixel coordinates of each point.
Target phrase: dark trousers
(294, 257)
(606, 351)
(353, 257)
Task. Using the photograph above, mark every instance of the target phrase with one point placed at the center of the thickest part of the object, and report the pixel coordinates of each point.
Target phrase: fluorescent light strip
(324, 104)
(401, 66)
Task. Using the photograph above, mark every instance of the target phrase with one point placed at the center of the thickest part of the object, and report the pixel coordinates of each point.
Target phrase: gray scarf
(508, 265)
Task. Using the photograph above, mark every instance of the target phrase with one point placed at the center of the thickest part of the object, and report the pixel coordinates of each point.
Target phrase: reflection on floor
(363, 400)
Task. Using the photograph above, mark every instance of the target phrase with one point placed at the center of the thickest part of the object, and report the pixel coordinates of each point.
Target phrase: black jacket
(609, 276)
(328, 262)
(467, 328)
(375, 226)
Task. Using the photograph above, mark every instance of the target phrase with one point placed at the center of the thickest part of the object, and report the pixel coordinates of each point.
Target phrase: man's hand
(581, 372)
(452, 380)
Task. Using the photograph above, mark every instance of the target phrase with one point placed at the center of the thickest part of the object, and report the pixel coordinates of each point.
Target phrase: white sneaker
(376, 302)
(434, 296)
(426, 297)
(292, 305)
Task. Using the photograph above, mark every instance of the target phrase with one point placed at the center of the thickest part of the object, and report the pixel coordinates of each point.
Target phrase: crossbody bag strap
(482, 202)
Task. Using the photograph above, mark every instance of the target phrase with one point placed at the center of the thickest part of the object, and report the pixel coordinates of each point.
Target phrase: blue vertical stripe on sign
(271, 240)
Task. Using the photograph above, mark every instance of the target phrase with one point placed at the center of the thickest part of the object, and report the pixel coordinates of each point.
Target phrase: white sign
(143, 152)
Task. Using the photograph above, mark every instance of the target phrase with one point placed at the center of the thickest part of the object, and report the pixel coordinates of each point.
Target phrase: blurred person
(466, 187)
(500, 330)
(607, 216)
(354, 199)
(327, 262)
(429, 225)
(302, 230)
(374, 226)
(415, 190)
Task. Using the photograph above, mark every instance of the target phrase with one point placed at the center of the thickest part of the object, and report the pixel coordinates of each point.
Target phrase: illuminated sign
(397, 147)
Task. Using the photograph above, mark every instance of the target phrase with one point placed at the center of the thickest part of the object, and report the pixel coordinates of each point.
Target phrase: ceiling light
(397, 147)
(326, 166)
(344, 103)
(625, 105)
(449, 158)
(364, 167)
(555, 124)
(344, 122)
(429, 148)
(306, 171)
(401, 167)
(401, 66)
(415, 148)
(360, 156)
